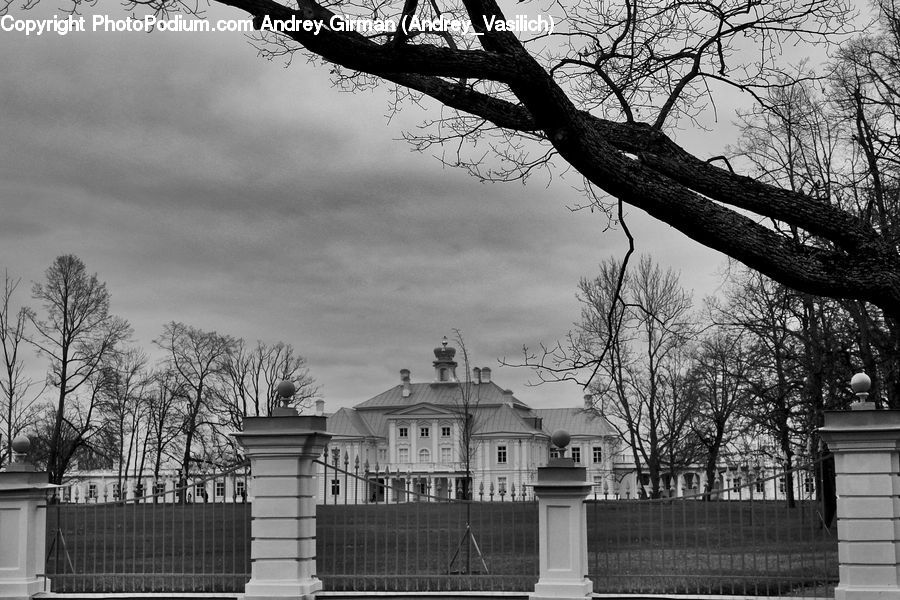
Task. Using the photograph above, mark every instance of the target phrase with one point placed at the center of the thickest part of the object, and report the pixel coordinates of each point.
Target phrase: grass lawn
(638, 547)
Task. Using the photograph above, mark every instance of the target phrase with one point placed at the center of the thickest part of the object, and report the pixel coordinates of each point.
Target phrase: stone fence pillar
(23, 527)
(866, 448)
(281, 450)
(561, 489)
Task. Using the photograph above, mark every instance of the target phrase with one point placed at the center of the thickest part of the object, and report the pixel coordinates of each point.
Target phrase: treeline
(105, 404)
(741, 380)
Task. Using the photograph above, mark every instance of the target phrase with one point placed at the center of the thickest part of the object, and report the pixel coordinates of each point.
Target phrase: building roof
(577, 421)
(346, 422)
(439, 394)
(505, 419)
(497, 411)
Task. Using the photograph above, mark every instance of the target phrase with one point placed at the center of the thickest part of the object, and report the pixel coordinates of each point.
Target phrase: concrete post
(562, 531)
(281, 450)
(23, 527)
(866, 448)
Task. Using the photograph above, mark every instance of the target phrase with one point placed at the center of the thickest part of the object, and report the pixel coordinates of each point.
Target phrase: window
(501, 455)
(335, 487)
(115, 491)
(92, 490)
(403, 454)
(159, 487)
(554, 452)
(446, 455)
(809, 484)
(382, 454)
(598, 454)
(199, 490)
(424, 431)
(737, 484)
(598, 483)
(240, 488)
(424, 455)
(576, 454)
(759, 486)
(501, 485)
(781, 484)
(220, 489)
(445, 431)
(403, 432)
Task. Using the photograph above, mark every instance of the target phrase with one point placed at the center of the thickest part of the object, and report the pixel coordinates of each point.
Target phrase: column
(281, 450)
(562, 530)
(866, 448)
(392, 443)
(23, 526)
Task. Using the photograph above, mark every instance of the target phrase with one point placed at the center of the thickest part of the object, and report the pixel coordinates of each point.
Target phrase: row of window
(425, 455)
(424, 432)
(502, 454)
(160, 487)
(575, 454)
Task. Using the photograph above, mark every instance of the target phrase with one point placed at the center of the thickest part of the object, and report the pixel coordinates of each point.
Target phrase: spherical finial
(286, 389)
(860, 383)
(21, 444)
(560, 438)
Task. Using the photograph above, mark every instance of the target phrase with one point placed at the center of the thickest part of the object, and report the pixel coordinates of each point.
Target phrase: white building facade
(408, 442)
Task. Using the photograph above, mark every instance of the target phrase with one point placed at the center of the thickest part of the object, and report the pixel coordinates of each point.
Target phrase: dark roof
(504, 419)
(440, 394)
(347, 422)
(577, 421)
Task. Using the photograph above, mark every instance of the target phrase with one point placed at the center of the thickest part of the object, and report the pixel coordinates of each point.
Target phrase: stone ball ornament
(286, 389)
(560, 438)
(860, 383)
(21, 444)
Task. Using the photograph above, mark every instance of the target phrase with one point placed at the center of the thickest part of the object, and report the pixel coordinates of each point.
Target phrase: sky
(207, 185)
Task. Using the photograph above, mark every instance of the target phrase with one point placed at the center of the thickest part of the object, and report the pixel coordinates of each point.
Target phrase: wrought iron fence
(392, 531)
(725, 542)
(189, 538)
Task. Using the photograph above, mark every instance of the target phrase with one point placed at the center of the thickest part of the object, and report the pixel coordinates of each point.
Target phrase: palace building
(410, 440)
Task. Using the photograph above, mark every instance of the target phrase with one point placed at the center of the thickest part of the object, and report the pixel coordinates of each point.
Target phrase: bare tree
(197, 359)
(124, 407)
(468, 399)
(719, 380)
(77, 336)
(765, 311)
(253, 374)
(20, 393)
(635, 332)
(163, 427)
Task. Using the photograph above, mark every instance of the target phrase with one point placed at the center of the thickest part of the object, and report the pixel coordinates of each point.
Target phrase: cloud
(208, 186)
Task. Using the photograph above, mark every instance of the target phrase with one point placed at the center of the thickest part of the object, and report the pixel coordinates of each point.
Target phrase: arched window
(424, 455)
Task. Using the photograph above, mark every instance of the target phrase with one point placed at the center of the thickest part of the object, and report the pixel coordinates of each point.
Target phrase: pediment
(424, 410)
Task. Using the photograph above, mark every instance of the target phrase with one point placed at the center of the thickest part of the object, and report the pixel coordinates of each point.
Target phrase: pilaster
(23, 527)
(283, 513)
(562, 532)
(866, 448)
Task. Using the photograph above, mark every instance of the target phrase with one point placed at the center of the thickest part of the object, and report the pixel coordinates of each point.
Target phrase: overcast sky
(209, 186)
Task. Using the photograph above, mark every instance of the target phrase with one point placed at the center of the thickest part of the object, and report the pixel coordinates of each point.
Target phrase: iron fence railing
(383, 532)
(726, 542)
(177, 540)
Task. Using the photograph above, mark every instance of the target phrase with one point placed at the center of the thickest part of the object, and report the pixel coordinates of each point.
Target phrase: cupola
(444, 365)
